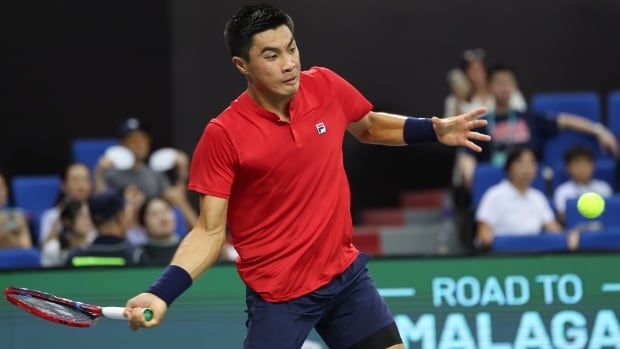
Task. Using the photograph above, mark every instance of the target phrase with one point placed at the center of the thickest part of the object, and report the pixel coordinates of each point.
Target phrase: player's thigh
(361, 319)
(277, 325)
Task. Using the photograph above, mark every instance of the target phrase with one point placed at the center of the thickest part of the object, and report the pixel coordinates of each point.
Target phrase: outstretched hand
(457, 130)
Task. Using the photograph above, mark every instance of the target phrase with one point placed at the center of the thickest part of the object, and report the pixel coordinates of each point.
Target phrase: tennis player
(271, 165)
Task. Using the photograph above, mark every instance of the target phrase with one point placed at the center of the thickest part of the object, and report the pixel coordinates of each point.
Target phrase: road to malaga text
(568, 329)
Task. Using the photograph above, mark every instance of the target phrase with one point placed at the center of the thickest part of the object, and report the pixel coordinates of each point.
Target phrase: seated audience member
(510, 128)
(14, 231)
(159, 222)
(135, 137)
(76, 186)
(77, 232)
(513, 207)
(108, 216)
(579, 164)
(469, 86)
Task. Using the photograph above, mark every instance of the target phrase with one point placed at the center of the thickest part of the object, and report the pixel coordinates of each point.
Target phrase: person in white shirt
(579, 164)
(76, 185)
(514, 207)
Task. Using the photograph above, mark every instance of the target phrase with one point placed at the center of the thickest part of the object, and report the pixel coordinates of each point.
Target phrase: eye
(293, 49)
(271, 57)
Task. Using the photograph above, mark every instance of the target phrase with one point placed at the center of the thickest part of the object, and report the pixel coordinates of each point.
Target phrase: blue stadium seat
(586, 104)
(604, 169)
(613, 112)
(88, 151)
(18, 258)
(181, 227)
(609, 219)
(35, 194)
(555, 148)
(597, 241)
(487, 175)
(530, 243)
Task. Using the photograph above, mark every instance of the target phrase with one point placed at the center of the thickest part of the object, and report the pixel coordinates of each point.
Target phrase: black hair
(145, 206)
(515, 153)
(70, 210)
(578, 152)
(249, 20)
(501, 68)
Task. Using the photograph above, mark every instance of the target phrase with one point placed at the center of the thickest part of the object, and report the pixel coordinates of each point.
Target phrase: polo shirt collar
(514, 191)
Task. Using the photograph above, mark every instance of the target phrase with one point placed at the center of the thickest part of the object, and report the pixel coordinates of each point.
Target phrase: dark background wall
(75, 69)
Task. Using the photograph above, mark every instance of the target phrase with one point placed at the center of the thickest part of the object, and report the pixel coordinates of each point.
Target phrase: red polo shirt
(288, 193)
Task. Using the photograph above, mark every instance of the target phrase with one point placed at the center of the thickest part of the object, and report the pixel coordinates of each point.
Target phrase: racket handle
(116, 313)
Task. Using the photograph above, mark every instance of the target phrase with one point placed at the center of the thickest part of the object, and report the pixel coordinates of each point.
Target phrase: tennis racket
(64, 311)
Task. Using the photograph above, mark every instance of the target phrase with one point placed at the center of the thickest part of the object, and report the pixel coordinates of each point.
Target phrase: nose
(289, 63)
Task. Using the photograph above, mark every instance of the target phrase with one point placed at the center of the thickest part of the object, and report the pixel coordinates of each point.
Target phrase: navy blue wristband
(419, 130)
(171, 284)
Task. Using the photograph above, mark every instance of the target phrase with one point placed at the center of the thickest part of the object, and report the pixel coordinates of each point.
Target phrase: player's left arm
(392, 129)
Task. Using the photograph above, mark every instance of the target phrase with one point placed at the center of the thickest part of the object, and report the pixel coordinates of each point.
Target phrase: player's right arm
(196, 253)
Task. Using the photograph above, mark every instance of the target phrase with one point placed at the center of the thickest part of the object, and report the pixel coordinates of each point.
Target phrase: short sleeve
(486, 210)
(560, 197)
(354, 105)
(214, 162)
(546, 213)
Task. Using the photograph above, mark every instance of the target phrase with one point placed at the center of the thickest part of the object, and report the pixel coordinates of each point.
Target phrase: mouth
(291, 81)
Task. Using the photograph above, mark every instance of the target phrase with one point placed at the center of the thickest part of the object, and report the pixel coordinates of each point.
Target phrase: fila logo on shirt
(320, 128)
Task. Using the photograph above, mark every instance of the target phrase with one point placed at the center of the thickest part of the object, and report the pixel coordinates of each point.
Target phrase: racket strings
(54, 309)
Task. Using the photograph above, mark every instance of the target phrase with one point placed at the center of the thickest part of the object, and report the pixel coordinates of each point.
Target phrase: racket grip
(117, 313)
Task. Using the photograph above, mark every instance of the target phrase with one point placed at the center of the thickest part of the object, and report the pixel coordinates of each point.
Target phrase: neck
(276, 104)
(111, 229)
(501, 109)
(78, 240)
(520, 187)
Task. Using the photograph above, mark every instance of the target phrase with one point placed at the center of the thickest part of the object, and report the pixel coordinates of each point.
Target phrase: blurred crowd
(515, 206)
(124, 212)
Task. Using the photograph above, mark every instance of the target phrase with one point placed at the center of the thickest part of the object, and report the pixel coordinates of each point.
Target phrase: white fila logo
(320, 128)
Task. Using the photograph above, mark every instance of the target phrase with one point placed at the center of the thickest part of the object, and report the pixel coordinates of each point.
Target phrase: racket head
(52, 308)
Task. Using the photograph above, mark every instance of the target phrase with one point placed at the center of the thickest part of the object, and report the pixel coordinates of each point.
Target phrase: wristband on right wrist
(171, 284)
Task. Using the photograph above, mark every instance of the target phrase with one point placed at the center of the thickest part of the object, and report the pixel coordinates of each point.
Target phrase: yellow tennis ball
(591, 205)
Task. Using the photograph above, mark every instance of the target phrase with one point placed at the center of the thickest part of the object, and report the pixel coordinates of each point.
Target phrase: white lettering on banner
(514, 283)
(532, 332)
(605, 332)
(563, 282)
(566, 336)
(456, 334)
(568, 330)
(547, 281)
(467, 292)
(423, 331)
(484, 332)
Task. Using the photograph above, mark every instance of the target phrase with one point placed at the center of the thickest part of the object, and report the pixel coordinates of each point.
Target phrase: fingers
(478, 123)
(476, 113)
(477, 136)
(473, 146)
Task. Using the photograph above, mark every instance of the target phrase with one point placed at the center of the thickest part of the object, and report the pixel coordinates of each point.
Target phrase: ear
(240, 64)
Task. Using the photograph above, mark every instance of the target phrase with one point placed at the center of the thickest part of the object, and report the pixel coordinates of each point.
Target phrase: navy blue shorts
(344, 312)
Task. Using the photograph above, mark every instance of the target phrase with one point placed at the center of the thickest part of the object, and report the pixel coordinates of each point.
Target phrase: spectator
(469, 94)
(158, 219)
(14, 232)
(76, 186)
(108, 216)
(579, 164)
(513, 207)
(135, 137)
(510, 128)
(77, 232)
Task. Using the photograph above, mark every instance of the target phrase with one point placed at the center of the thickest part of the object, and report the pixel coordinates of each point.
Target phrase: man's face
(502, 86)
(139, 143)
(581, 169)
(274, 65)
